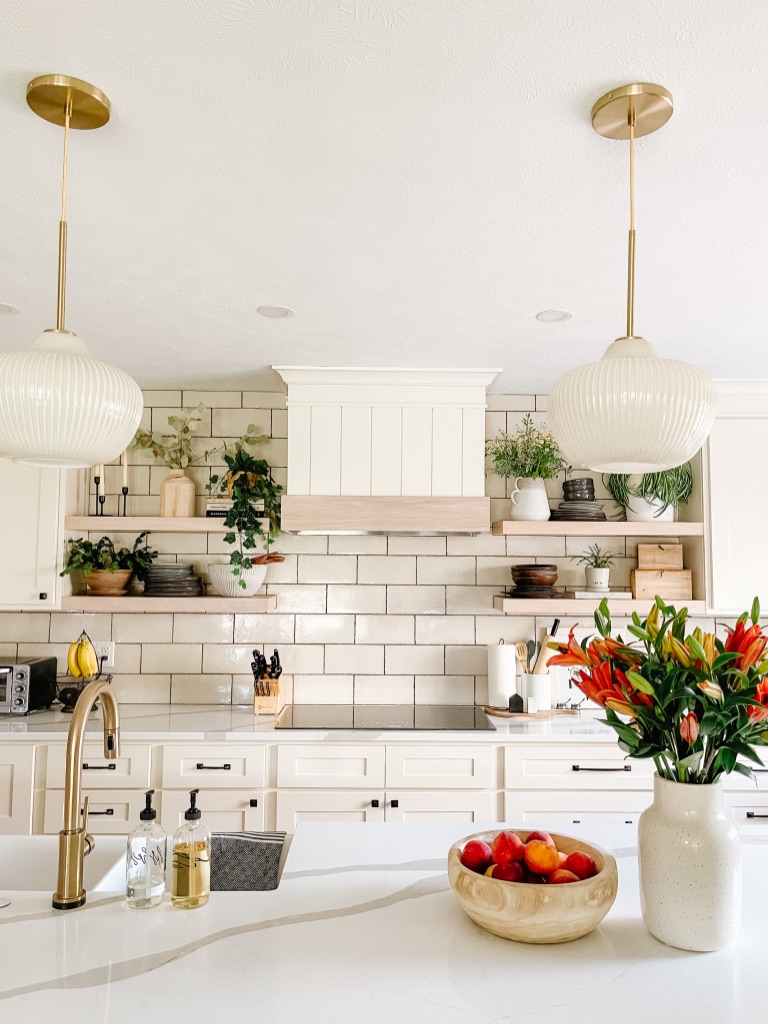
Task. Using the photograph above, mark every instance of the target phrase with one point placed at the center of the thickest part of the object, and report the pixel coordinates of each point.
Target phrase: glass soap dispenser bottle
(145, 860)
(191, 864)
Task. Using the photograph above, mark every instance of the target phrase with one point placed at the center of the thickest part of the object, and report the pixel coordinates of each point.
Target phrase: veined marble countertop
(157, 722)
(364, 927)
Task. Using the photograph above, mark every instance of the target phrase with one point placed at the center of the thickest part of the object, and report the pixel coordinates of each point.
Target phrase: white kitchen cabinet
(17, 763)
(577, 766)
(31, 536)
(566, 808)
(128, 771)
(227, 811)
(110, 812)
(213, 766)
(439, 805)
(330, 766)
(297, 805)
(453, 766)
(737, 493)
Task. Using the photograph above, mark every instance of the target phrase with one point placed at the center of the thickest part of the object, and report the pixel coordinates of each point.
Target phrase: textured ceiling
(416, 178)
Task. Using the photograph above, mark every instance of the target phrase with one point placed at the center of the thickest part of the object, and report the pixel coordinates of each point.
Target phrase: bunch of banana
(81, 658)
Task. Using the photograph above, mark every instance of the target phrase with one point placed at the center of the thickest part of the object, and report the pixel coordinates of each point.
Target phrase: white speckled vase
(529, 500)
(690, 867)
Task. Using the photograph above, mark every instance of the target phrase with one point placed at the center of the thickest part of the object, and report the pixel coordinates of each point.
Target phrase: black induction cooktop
(437, 717)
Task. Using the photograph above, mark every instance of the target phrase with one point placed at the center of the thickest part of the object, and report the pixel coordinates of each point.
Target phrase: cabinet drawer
(112, 813)
(577, 766)
(441, 767)
(737, 782)
(563, 809)
(322, 766)
(235, 811)
(428, 805)
(128, 771)
(213, 766)
(313, 805)
(748, 808)
(16, 784)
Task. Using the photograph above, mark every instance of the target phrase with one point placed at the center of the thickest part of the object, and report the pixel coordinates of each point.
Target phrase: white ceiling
(416, 178)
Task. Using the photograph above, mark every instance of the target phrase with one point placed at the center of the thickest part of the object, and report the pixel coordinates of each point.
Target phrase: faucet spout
(74, 841)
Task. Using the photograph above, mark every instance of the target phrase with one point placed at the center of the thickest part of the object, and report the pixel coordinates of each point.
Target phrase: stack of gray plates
(173, 581)
(579, 504)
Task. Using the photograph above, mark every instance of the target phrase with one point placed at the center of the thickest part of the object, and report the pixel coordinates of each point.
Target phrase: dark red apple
(511, 872)
(507, 847)
(581, 864)
(476, 855)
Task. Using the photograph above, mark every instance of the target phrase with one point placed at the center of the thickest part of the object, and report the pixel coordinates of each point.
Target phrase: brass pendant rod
(62, 282)
(631, 252)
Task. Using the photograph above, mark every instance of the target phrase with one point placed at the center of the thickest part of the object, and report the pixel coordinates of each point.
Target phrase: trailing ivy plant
(671, 486)
(254, 517)
(85, 556)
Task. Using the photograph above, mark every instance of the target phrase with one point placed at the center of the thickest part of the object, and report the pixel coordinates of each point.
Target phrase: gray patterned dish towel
(245, 861)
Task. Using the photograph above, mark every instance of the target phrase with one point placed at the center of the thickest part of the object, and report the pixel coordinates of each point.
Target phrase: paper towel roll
(502, 669)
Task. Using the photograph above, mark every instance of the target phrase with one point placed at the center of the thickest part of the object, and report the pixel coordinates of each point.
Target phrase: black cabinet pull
(624, 768)
(43, 597)
(751, 814)
(374, 803)
(576, 821)
(212, 767)
(253, 802)
(99, 767)
(395, 803)
(93, 814)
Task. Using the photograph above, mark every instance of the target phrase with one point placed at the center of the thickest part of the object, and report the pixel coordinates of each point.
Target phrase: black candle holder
(102, 499)
(97, 481)
(125, 502)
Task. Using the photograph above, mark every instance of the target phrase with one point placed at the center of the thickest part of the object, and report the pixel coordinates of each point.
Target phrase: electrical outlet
(105, 649)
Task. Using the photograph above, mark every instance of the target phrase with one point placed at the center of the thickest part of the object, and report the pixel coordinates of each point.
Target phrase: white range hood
(385, 451)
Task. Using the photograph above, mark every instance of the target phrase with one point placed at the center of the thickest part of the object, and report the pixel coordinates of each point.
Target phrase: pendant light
(58, 406)
(632, 412)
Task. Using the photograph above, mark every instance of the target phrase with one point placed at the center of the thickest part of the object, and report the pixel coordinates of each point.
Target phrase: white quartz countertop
(364, 927)
(157, 722)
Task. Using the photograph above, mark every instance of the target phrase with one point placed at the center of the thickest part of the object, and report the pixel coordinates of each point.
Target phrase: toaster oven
(27, 685)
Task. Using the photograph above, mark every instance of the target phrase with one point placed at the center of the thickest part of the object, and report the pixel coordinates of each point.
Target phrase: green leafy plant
(530, 452)
(85, 556)
(695, 704)
(595, 558)
(670, 486)
(254, 517)
(175, 450)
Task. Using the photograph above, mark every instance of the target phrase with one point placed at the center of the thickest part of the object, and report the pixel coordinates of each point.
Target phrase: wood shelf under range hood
(136, 524)
(333, 513)
(520, 528)
(582, 606)
(177, 605)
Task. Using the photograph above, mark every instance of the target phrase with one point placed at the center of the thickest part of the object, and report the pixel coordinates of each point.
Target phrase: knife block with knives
(268, 694)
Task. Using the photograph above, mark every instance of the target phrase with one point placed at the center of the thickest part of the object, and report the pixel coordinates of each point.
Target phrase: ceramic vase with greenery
(174, 451)
(597, 565)
(107, 570)
(529, 456)
(253, 520)
(654, 496)
(697, 706)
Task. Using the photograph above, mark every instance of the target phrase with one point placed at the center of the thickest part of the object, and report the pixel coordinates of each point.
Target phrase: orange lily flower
(755, 713)
(689, 728)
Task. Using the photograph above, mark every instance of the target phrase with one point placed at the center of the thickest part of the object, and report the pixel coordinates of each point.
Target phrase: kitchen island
(364, 928)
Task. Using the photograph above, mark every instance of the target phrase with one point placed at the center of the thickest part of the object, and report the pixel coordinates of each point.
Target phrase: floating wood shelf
(517, 528)
(178, 605)
(582, 606)
(135, 524)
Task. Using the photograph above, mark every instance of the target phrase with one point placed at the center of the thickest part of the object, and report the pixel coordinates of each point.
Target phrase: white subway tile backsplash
(536, 548)
(466, 660)
(445, 629)
(440, 689)
(172, 658)
(264, 400)
(416, 600)
(494, 571)
(201, 689)
(511, 403)
(127, 659)
(28, 627)
(456, 570)
(357, 545)
(384, 629)
(400, 569)
(489, 629)
(232, 658)
(425, 660)
(264, 629)
(142, 689)
(387, 689)
(470, 600)
(324, 689)
(204, 629)
(329, 569)
(325, 629)
(306, 598)
(366, 599)
(298, 544)
(416, 545)
(146, 628)
(67, 627)
(362, 660)
(212, 399)
(304, 659)
(482, 544)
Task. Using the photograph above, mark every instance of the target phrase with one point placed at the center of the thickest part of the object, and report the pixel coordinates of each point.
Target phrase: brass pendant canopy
(48, 96)
(651, 105)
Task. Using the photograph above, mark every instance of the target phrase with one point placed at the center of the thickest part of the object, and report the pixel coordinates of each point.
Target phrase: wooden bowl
(526, 912)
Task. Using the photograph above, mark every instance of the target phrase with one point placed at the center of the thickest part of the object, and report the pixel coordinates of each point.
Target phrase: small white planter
(640, 510)
(228, 585)
(597, 579)
(529, 500)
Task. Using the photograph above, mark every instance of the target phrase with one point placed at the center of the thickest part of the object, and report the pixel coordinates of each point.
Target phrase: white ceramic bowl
(528, 912)
(220, 575)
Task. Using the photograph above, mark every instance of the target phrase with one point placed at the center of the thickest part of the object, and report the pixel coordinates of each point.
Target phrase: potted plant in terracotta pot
(653, 496)
(174, 451)
(107, 570)
(698, 707)
(597, 565)
(530, 456)
(253, 521)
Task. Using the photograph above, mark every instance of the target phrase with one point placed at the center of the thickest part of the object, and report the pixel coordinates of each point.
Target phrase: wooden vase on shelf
(177, 495)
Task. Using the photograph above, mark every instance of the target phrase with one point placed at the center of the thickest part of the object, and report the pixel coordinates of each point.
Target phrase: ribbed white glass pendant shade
(61, 408)
(632, 412)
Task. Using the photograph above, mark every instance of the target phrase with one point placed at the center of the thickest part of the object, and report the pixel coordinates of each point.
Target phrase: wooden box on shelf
(271, 704)
(672, 584)
(659, 556)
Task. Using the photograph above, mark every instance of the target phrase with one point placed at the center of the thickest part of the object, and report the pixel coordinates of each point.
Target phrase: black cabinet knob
(253, 802)
(395, 803)
(43, 597)
(374, 803)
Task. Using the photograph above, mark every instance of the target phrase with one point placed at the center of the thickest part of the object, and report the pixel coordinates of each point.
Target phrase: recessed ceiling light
(553, 316)
(6, 309)
(274, 312)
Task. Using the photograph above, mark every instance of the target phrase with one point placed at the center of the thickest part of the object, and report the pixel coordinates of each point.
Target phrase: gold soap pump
(191, 862)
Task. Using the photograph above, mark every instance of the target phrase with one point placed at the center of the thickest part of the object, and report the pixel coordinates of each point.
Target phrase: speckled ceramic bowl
(527, 912)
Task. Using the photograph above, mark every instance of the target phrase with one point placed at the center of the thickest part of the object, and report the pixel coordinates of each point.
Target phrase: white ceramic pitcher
(529, 500)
